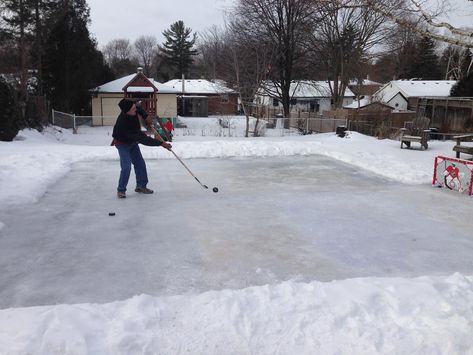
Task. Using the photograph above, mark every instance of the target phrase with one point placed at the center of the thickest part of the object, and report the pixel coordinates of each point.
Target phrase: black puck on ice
(215, 189)
(111, 213)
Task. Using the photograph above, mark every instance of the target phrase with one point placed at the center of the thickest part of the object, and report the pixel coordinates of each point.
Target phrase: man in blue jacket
(127, 134)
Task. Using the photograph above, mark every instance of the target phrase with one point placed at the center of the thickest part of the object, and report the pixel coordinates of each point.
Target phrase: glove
(166, 145)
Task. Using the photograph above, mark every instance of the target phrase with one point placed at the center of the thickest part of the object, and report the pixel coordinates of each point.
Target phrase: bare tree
(146, 48)
(284, 25)
(457, 62)
(117, 49)
(411, 13)
(118, 54)
(343, 41)
(239, 59)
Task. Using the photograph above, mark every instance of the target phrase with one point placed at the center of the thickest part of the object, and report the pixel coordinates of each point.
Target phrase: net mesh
(453, 174)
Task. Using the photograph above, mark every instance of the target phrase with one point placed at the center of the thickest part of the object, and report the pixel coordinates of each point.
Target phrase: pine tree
(72, 64)
(17, 16)
(464, 87)
(177, 50)
(421, 61)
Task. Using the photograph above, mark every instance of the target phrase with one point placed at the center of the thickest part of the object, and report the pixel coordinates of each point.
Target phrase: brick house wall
(223, 104)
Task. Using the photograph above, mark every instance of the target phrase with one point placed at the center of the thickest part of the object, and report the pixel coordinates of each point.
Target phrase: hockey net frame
(454, 174)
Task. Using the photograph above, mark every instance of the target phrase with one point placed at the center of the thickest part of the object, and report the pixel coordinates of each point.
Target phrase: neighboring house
(200, 97)
(306, 96)
(403, 95)
(364, 88)
(358, 104)
(157, 99)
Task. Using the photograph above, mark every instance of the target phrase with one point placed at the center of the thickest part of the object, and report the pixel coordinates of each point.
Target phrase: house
(200, 97)
(404, 95)
(306, 96)
(364, 88)
(156, 98)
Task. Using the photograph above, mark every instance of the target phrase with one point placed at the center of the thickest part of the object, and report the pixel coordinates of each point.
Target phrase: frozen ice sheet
(274, 219)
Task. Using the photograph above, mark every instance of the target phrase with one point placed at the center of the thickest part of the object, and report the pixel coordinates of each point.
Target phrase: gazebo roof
(117, 86)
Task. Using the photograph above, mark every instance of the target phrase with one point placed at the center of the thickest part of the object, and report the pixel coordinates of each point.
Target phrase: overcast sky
(112, 19)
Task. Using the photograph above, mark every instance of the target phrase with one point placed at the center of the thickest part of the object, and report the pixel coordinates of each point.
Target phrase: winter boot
(143, 190)
(121, 194)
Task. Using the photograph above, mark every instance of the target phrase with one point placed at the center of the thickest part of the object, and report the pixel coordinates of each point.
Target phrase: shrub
(9, 113)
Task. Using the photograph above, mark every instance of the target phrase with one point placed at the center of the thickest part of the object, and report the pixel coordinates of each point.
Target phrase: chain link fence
(70, 121)
(235, 126)
(223, 126)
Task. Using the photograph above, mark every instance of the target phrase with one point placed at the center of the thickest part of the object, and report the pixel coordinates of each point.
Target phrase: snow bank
(425, 315)
(34, 161)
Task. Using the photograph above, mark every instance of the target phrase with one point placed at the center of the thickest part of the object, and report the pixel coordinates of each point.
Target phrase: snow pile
(425, 315)
(34, 161)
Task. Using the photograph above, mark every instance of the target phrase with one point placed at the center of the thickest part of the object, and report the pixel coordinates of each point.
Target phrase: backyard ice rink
(274, 219)
(314, 244)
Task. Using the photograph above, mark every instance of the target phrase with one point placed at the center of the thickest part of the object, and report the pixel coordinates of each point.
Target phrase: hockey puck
(215, 189)
(111, 213)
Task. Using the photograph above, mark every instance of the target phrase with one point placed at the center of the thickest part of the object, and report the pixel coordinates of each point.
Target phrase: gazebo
(140, 88)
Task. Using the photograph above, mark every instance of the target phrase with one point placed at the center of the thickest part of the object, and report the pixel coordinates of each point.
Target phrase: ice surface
(274, 219)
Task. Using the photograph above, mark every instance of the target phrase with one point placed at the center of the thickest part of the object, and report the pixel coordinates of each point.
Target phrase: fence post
(52, 114)
(74, 128)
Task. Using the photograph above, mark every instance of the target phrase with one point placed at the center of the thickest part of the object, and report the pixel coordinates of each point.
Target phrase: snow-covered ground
(414, 307)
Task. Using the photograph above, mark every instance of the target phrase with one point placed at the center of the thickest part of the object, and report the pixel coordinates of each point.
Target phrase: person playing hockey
(127, 134)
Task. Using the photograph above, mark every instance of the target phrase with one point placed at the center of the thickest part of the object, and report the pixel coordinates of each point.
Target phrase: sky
(111, 19)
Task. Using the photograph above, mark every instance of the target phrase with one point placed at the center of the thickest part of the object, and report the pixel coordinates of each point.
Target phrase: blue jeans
(131, 154)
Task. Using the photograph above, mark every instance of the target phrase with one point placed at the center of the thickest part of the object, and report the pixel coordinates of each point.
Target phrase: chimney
(139, 70)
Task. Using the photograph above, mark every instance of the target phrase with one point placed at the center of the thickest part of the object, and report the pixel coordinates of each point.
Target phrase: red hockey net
(454, 174)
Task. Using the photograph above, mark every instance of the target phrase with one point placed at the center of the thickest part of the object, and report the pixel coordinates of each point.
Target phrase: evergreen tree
(177, 50)
(420, 61)
(9, 114)
(464, 87)
(17, 16)
(72, 64)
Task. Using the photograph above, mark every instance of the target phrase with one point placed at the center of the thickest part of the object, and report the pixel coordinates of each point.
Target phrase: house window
(275, 102)
(224, 99)
(293, 102)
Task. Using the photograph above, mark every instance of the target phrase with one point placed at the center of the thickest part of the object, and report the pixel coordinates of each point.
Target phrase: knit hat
(125, 105)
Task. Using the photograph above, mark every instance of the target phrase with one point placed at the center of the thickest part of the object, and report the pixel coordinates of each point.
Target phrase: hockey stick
(190, 172)
(184, 165)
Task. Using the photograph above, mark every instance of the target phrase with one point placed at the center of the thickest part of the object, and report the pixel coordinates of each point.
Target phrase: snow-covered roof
(118, 84)
(303, 89)
(200, 86)
(364, 82)
(420, 88)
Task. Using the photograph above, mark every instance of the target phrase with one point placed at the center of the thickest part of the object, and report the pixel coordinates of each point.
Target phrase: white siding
(398, 102)
(105, 107)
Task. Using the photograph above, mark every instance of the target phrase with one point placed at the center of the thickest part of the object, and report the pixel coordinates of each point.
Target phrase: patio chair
(416, 131)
